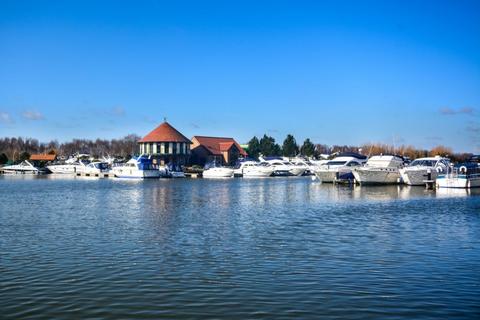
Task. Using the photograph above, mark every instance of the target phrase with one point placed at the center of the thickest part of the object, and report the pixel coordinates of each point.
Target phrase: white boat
(282, 167)
(66, 168)
(304, 163)
(253, 169)
(465, 176)
(25, 167)
(96, 167)
(383, 169)
(138, 168)
(340, 167)
(218, 172)
(422, 169)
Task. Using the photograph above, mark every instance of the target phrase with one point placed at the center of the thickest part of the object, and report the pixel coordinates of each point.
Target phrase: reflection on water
(236, 249)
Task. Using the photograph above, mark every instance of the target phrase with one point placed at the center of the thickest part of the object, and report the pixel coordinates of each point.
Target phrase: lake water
(277, 248)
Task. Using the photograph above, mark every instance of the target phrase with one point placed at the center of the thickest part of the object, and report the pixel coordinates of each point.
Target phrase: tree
(24, 156)
(3, 158)
(290, 147)
(308, 148)
(268, 147)
(441, 151)
(254, 147)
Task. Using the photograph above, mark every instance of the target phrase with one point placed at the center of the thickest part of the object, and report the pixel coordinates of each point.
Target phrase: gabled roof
(165, 133)
(217, 145)
(43, 157)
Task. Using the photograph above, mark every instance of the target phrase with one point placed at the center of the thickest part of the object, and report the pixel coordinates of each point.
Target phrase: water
(281, 248)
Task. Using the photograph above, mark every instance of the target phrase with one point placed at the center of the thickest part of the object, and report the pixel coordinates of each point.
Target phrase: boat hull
(218, 173)
(417, 177)
(129, 173)
(458, 181)
(65, 169)
(377, 176)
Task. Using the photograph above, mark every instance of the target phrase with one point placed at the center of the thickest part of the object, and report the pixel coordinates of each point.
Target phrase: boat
(382, 169)
(340, 167)
(96, 167)
(218, 172)
(422, 169)
(304, 163)
(464, 176)
(253, 169)
(283, 167)
(70, 166)
(175, 171)
(25, 167)
(212, 170)
(138, 168)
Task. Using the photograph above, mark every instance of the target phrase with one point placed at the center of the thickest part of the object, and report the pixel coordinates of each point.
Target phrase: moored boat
(282, 167)
(382, 169)
(138, 167)
(218, 172)
(340, 167)
(464, 176)
(253, 169)
(422, 169)
(25, 167)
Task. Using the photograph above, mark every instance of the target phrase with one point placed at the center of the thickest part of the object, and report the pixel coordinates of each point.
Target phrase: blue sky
(338, 72)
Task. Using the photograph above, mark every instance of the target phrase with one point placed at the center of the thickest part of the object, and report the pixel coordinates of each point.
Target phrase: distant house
(224, 151)
(43, 157)
(165, 145)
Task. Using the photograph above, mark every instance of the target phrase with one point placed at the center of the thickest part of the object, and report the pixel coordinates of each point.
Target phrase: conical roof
(165, 133)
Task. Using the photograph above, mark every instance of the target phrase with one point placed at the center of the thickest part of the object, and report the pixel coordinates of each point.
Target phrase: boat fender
(439, 169)
(463, 169)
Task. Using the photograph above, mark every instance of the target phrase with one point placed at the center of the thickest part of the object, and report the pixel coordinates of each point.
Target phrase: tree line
(267, 146)
(19, 149)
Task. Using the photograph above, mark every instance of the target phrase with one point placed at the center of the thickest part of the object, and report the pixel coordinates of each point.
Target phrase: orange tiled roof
(218, 145)
(43, 157)
(165, 133)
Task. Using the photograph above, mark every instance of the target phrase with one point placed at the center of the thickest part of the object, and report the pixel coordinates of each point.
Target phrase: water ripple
(282, 248)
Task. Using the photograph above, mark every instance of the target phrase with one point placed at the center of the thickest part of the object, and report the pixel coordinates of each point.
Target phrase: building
(43, 157)
(223, 151)
(166, 145)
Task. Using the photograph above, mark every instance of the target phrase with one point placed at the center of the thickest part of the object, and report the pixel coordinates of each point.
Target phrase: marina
(237, 160)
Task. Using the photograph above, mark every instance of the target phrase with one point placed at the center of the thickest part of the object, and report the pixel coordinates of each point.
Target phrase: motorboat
(218, 172)
(382, 169)
(283, 167)
(340, 167)
(96, 167)
(305, 163)
(138, 167)
(70, 166)
(422, 169)
(465, 176)
(171, 171)
(253, 169)
(25, 167)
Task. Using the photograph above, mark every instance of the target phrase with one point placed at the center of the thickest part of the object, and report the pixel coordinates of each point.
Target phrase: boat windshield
(336, 163)
(424, 163)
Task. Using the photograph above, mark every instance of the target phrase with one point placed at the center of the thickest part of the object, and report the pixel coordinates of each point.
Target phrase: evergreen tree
(268, 147)
(254, 147)
(290, 147)
(308, 148)
(24, 156)
(3, 158)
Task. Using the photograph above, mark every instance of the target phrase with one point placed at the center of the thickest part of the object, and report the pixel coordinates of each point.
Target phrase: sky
(337, 72)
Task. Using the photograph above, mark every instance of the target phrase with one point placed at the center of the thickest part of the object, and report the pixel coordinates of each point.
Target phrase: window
(174, 149)
(166, 148)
